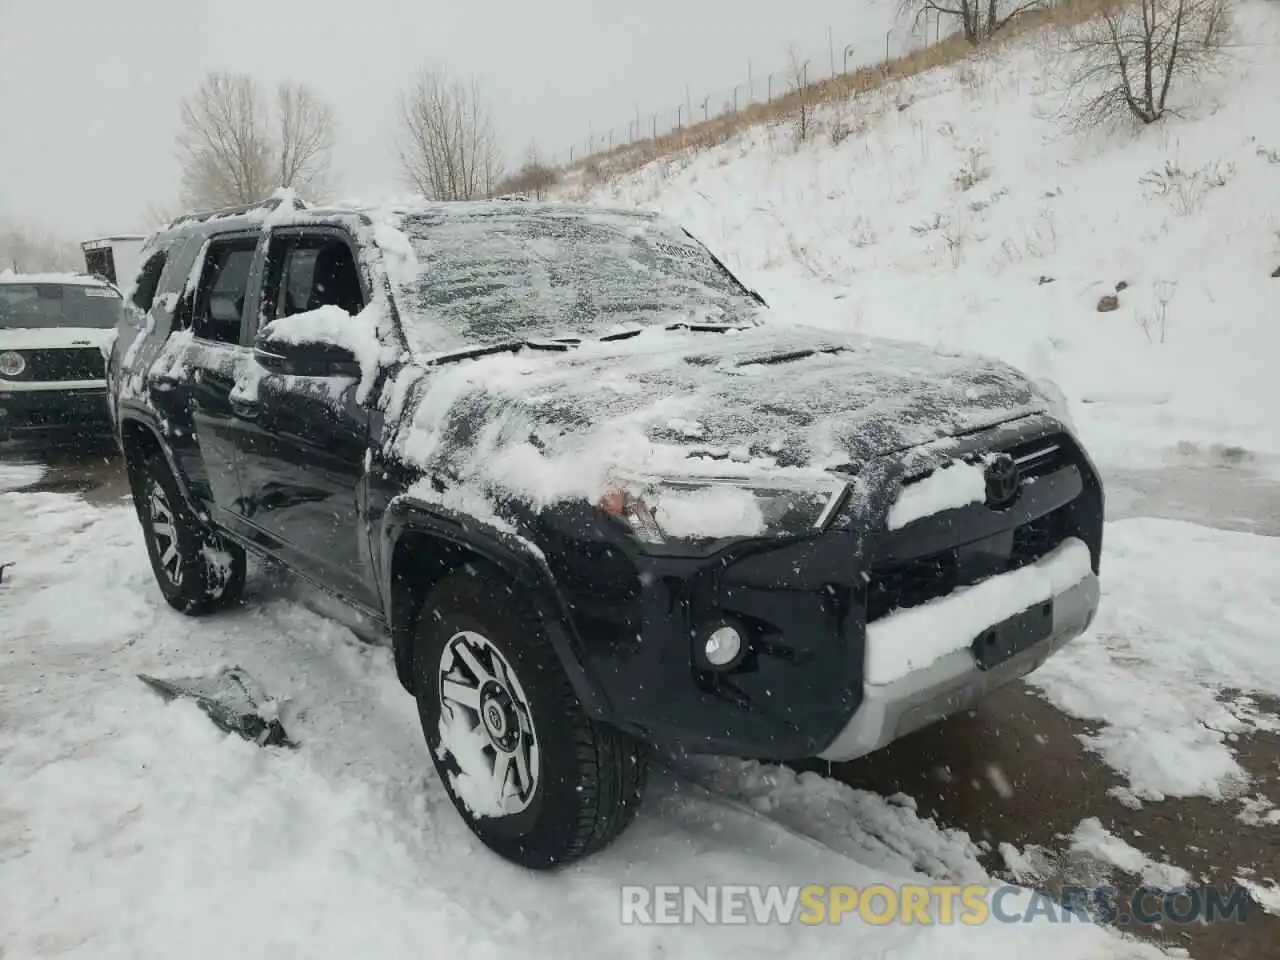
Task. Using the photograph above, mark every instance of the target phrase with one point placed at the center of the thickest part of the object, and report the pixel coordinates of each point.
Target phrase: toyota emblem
(1002, 476)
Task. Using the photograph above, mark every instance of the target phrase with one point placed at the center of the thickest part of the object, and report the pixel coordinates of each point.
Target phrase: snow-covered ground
(1186, 632)
(957, 209)
(128, 825)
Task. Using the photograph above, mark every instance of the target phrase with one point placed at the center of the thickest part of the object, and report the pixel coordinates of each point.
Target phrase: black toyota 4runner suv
(597, 497)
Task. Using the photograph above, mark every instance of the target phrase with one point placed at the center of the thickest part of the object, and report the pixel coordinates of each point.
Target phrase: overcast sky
(89, 90)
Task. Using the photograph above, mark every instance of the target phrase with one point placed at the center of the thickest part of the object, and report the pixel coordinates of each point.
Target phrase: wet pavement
(1014, 770)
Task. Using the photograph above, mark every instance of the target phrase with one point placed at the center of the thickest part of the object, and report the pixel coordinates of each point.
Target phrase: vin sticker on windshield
(98, 292)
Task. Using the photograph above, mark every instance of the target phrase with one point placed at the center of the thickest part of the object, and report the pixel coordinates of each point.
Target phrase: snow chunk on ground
(911, 639)
(1029, 865)
(1155, 666)
(14, 476)
(883, 833)
(955, 485)
(1265, 895)
(1093, 840)
(723, 511)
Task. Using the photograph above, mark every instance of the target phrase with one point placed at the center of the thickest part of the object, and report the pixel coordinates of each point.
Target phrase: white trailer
(115, 259)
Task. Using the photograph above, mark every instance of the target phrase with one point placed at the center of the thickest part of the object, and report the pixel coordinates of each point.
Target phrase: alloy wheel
(478, 685)
(164, 530)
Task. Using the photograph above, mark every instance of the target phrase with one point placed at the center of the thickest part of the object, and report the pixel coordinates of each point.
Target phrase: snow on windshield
(494, 275)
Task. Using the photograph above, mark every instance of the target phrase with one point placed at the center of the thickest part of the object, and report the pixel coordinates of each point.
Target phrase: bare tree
(25, 249)
(305, 135)
(979, 19)
(232, 153)
(798, 81)
(157, 214)
(447, 145)
(1125, 60)
(535, 177)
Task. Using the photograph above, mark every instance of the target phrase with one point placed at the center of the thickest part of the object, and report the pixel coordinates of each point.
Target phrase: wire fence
(804, 67)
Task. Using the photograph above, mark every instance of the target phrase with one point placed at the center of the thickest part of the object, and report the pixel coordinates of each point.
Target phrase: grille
(77, 363)
(1036, 458)
(921, 579)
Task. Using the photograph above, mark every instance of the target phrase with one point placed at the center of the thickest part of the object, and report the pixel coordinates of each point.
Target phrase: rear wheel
(535, 778)
(197, 570)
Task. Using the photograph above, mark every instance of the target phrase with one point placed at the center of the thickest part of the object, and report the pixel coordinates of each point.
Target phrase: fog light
(723, 647)
(12, 364)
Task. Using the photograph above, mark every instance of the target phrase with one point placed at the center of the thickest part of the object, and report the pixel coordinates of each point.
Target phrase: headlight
(12, 364)
(687, 509)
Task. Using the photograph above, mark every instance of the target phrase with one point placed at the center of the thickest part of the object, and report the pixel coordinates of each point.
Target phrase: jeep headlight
(690, 509)
(12, 364)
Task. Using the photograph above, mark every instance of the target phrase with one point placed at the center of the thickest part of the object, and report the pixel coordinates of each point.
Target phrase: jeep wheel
(197, 570)
(535, 778)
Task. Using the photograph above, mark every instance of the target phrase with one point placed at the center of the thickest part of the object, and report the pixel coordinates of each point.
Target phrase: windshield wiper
(558, 345)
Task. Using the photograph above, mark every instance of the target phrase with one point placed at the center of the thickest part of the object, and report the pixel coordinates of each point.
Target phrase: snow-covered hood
(46, 338)
(687, 402)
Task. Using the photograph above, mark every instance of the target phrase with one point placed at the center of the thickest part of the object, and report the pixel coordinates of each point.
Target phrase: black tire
(587, 779)
(197, 570)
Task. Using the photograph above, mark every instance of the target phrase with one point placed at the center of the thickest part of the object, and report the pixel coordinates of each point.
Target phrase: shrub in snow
(1124, 62)
(979, 19)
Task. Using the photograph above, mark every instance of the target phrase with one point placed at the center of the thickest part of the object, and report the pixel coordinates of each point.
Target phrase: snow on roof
(71, 279)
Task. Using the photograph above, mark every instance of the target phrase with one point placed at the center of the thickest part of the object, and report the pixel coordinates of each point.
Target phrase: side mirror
(306, 359)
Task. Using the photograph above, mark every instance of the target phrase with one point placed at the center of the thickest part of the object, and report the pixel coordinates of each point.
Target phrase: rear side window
(224, 285)
(144, 291)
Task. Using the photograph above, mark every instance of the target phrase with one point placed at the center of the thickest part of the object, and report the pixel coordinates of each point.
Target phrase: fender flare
(133, 414)
(514, 556)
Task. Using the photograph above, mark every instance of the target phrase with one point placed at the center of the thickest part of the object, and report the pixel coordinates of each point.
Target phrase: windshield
(42, 305)
(499, 275)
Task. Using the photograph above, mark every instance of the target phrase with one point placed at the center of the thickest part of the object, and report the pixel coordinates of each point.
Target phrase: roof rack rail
(268, 204)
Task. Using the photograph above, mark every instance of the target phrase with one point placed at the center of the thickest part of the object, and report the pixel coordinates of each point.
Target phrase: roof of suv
(270, 212)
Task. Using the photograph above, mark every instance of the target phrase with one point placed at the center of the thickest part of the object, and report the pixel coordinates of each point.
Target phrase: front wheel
(536, 779)
(196, 569)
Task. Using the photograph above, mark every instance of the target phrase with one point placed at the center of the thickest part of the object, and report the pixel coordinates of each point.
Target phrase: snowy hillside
(957, 208)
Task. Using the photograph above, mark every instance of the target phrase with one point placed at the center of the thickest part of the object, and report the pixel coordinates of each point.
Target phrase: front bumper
(954, 683)
(77, 407)
(809, 607)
